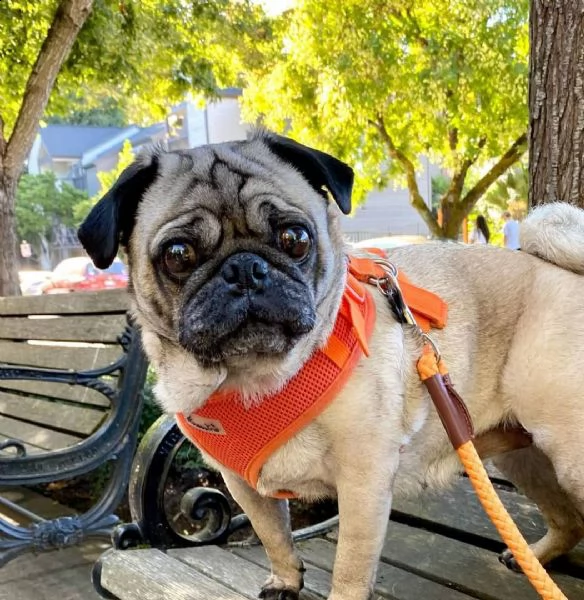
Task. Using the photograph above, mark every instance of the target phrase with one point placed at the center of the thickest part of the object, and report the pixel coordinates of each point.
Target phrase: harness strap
(430, 311)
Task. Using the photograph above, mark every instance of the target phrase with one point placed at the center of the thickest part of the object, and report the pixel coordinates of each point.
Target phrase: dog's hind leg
(533, 473)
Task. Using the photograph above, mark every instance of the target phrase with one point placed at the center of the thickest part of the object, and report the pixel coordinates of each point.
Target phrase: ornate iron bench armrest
(114, 440)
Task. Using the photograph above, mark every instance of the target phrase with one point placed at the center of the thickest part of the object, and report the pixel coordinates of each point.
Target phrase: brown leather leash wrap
(455, 416)
(458, 425)
(450, 406)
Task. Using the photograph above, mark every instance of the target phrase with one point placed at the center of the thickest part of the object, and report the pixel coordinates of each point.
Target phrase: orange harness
(242, 437)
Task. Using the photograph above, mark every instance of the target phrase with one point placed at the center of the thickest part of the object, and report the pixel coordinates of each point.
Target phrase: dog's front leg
(364, 488)
(270, 519)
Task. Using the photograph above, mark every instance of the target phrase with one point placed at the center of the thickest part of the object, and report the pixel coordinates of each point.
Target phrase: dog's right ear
(111, 220)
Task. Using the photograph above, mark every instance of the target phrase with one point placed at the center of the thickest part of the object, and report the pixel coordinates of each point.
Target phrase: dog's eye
(295, 241)
(180, 259)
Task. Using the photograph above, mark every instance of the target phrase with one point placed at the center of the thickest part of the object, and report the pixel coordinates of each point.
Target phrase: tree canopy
(144, 55)
(381, 82)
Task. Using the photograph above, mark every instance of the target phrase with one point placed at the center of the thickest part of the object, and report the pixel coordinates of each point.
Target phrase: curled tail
(555, 232)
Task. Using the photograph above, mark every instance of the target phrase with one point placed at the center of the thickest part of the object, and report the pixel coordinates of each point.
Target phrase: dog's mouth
(248, 309)
(245, 328)
(251, 340)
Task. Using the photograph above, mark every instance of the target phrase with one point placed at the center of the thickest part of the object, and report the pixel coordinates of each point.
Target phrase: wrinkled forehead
(224, 182)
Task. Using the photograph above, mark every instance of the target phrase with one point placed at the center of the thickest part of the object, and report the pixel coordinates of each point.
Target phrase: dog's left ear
(111, 220)
(318, 168)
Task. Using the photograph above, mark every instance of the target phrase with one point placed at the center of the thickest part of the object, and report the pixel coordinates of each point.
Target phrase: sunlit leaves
(449, 78)
(144, 54)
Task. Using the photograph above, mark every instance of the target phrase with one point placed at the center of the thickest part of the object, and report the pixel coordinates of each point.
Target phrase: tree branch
(406, 164)
(510, 157)
(453, 138)
(67, 22)
(457, 183)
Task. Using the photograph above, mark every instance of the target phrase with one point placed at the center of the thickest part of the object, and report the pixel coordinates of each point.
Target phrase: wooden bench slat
(110, 301)
(234, 572)
(243, 576)
(58, 356)
(152, 575)
(392, 581)
(40, 437)
(79, 420)
(459, 509)
(100, 328)
(57, 391)
(474, 570)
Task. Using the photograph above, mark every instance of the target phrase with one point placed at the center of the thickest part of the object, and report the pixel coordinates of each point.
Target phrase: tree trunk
(9, 285)
(67, 22)
(556, 102)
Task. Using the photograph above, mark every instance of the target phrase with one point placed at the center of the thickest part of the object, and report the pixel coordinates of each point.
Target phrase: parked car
(80, 275)
(391, 241)
(32, 282)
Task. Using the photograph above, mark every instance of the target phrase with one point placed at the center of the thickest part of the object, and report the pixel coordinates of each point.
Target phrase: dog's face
(236, 260)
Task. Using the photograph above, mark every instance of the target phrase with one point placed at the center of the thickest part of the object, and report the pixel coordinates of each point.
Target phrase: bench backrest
(75, 331)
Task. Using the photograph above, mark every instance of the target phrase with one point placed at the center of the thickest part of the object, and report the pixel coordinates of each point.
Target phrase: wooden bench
(71, 375)
(438, 547)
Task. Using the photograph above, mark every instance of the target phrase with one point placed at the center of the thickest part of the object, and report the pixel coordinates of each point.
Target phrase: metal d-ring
(428, 339)
(390, 282)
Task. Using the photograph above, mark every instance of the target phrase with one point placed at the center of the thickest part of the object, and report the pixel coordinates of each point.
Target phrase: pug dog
(238, 266)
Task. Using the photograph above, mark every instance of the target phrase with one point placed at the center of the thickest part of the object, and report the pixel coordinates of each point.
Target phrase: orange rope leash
(429, 366)
(537, 575)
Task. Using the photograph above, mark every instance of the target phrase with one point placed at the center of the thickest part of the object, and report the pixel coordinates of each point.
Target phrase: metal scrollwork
(103, 388)
(210, 509)
(16, 444)
(125, 338)
(207, 511)
(57, 533)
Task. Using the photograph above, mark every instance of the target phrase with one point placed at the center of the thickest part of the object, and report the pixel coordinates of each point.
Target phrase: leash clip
(428, 339)
(389, 287)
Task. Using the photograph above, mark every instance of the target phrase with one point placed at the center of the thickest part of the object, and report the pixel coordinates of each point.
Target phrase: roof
(230, 92)
(71, 141)
(138, 137)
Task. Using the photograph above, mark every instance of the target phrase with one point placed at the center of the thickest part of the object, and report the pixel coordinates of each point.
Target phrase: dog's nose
(245, 271)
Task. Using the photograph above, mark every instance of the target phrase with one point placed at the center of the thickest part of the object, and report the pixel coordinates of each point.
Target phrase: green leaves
(448, 78)
(142, 54)
(42, 203)
(106, 181)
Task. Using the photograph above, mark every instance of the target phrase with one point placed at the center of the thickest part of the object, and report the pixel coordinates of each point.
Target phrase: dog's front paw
(270, 593)
(276, 588)
(506, 557)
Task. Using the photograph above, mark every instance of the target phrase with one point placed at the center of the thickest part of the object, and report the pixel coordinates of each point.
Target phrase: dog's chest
(303, 465)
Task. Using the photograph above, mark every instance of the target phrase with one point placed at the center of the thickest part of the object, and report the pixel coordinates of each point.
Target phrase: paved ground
(61, 575)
